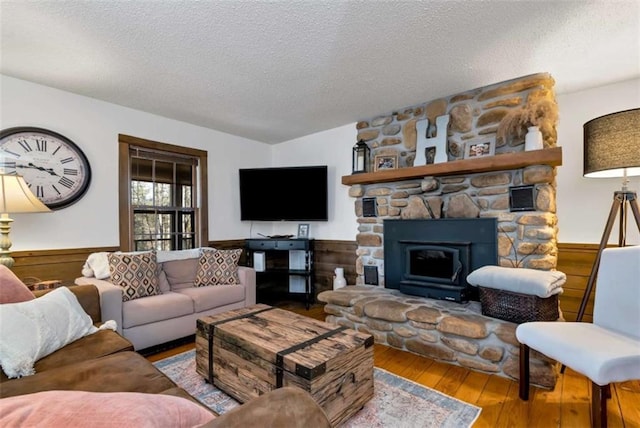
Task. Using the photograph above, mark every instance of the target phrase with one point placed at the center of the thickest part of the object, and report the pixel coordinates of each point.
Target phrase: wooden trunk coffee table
(250, 351)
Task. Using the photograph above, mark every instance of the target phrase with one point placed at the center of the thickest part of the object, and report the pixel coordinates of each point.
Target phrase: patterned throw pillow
(135, 273)
(218, 267)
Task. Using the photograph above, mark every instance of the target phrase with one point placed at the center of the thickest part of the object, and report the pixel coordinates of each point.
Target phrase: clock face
(55, 169)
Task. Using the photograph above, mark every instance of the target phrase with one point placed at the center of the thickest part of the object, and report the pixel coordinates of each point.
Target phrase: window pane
(144, 224)
(163, 195)
(184, 174)
(141, 169)
(187, 222)
(187, 242)
(165, 224)
(141, 193)
(187, 200)
(164, 171)
(143, 245)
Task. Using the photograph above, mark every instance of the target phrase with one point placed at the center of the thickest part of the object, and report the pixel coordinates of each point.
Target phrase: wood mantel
(506, 161)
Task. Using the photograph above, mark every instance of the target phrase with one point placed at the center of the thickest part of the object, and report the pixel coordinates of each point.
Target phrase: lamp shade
(612, 144)
(16, 197)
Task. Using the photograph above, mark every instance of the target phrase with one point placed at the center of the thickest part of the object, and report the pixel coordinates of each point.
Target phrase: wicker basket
(517, 307)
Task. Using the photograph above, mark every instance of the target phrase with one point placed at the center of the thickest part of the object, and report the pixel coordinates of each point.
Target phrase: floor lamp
(15, 197)
(612, 149)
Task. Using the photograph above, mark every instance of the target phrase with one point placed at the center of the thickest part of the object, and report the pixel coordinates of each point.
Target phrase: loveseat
(98, 380)
(172, 312)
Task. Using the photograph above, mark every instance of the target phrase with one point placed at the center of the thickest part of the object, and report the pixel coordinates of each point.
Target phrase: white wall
(584, 203)
(331, 148)
(94, 126)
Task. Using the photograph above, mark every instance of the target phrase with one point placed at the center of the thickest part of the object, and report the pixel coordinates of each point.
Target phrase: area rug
(397, 402)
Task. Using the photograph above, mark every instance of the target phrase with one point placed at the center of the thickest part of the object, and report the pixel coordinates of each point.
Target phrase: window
(162, 196)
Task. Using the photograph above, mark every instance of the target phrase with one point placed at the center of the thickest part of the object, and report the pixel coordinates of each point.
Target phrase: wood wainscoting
(328, 255)
(65, 265)
(575, 260)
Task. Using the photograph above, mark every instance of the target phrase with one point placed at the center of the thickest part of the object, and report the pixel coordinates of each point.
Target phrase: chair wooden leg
(599, 405)
(524, 372)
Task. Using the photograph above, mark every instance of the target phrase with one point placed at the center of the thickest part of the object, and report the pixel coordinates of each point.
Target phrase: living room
(54, 245)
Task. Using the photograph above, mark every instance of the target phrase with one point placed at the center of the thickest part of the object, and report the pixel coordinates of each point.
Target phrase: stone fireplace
(451, 328)
(524, 238)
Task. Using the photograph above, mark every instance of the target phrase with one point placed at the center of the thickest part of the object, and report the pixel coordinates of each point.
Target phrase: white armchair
(606, 351)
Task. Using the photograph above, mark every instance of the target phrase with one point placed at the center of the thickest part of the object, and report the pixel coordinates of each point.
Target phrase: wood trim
(551, 156)
(124, 174)
(124, 196)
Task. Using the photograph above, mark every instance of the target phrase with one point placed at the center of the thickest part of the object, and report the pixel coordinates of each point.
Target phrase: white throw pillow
(36, 328)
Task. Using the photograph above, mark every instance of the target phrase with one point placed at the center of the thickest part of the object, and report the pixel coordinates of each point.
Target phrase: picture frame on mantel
(478, 149)
(383, 162)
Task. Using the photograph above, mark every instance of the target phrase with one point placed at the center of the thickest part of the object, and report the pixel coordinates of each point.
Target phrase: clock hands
(30, 165)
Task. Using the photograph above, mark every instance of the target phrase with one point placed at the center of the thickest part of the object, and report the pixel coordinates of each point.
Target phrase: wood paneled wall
(329, 255)
(65, 265)
(575, 260)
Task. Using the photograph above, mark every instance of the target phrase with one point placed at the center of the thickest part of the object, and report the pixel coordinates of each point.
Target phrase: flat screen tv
(285, 193)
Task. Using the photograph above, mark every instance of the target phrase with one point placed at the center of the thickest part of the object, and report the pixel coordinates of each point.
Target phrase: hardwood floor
(567, 406)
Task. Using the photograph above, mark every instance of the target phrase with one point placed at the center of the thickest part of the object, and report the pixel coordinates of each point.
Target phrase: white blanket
(519, 280)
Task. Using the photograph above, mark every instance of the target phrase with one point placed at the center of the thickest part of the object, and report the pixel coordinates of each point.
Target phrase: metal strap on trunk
(305, 372)
(212, 327)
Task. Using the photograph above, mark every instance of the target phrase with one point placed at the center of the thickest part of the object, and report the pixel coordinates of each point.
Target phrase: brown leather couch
(105, 362)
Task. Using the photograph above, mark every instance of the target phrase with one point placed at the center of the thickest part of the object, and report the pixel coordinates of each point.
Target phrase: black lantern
(360, 158)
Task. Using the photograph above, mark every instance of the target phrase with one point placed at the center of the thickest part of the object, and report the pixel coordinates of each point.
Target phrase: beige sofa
(171, 315)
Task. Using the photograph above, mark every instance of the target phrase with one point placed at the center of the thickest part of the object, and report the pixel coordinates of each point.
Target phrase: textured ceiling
(274, 71)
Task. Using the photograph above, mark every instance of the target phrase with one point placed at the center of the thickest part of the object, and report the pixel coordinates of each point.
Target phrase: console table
(284, 269)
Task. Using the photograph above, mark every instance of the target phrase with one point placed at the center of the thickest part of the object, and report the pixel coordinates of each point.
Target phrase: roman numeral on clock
(39, 191)
(68, 171)
(66, 182)
(66, 160)
(41, 145)
(25, 145)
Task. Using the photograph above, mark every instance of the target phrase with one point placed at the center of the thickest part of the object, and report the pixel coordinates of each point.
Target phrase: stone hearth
(450, 332)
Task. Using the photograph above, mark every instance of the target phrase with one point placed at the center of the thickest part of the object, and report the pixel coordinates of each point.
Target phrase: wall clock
(53, 166)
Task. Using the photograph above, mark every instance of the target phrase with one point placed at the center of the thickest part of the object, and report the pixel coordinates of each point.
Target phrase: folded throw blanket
(519, 280)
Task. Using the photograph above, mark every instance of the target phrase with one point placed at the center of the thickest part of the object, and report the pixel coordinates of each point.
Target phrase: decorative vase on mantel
(533, 139)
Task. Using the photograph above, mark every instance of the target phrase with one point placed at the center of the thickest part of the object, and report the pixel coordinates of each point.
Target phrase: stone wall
(525, 239)
(445, 331)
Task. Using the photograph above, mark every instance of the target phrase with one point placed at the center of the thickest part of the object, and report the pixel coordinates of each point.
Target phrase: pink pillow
(12, 290)
(101, 409)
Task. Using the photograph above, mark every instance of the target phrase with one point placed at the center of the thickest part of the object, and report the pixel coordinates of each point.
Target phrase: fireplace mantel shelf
(551, 156)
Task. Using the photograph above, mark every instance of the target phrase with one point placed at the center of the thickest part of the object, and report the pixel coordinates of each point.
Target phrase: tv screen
(287, 193)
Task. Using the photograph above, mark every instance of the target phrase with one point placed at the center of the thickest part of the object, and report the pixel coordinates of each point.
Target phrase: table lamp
(15, 197)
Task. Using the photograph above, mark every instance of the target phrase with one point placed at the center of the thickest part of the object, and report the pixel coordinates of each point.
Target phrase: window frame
(125, 143)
